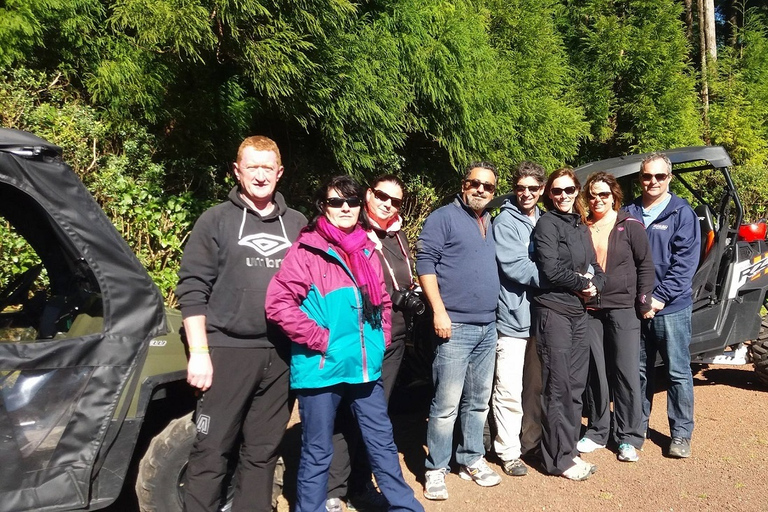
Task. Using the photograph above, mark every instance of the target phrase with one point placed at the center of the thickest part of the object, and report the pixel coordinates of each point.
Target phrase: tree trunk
(709, 30)
(689, 20)
(734, 15)
(703, 56)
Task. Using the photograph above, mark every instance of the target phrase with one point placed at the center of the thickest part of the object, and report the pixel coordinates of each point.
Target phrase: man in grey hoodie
(517, 389)
(236, 359)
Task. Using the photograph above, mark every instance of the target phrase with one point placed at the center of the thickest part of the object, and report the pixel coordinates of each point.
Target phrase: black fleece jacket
(231, 256)
(629, 272)
(564, 252)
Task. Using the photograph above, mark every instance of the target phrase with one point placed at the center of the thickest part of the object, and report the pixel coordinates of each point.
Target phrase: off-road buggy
(731, 284)
(92, 367)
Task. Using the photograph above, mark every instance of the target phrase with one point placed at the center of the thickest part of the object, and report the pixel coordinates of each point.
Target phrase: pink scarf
(352, 246)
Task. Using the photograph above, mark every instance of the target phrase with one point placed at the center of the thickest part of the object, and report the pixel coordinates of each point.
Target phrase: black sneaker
(370, 500)
(514, 467)
(680, 448)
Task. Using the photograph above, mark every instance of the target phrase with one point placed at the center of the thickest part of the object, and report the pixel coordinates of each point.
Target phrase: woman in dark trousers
(350, 474)
(570, 275)
(330, 299)
(622, 249)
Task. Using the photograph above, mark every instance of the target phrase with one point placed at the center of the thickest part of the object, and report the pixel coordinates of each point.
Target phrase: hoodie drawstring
(242, 225)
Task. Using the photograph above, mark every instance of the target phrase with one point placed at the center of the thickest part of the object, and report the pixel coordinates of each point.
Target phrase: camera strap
(380, 248)
(389, 267)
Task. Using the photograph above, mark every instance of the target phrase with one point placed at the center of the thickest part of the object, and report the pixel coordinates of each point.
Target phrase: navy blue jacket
(675, 244)
(452, 247)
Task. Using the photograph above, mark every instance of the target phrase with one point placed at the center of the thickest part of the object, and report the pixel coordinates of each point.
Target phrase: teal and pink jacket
(315, 300)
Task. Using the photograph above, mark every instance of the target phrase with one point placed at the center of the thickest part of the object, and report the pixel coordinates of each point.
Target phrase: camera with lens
(408, 300)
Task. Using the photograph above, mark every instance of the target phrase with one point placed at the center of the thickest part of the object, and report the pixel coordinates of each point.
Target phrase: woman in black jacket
(570, 275)
(622, 249)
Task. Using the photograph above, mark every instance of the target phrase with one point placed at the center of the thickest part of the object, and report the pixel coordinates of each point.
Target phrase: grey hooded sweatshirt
(518, 273)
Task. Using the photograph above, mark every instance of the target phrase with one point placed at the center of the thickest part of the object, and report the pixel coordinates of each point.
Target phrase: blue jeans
(463, 376)
(317, 409)
(670, 336)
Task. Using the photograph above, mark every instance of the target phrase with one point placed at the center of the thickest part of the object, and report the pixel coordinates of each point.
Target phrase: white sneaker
(333, 505)
(480, 473)
(627, 453)
(579, 460)
(579, 471)
(586, 445)
(434, 487)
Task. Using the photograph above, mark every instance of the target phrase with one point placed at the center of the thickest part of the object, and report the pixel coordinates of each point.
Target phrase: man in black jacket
(236, 359)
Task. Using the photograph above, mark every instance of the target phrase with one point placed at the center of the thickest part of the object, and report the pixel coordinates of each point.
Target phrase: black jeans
(614, 374)
(249, 396)
(348, 453)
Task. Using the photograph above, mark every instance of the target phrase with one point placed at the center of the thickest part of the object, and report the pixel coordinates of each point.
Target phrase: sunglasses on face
(488, 187)
(660, 177)
(338, 202)
(557, 191)
(602, 195)
(384, 197)
(520, 189)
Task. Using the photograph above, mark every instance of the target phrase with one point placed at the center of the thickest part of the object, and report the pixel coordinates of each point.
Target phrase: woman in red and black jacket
(622, 249)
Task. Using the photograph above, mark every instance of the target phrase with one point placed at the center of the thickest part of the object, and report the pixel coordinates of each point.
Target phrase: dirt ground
(726, 471)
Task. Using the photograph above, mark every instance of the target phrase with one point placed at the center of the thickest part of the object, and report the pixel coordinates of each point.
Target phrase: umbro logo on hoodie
(265, 244)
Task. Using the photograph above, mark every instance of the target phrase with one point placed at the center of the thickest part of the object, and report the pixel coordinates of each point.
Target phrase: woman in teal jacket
(330, 299)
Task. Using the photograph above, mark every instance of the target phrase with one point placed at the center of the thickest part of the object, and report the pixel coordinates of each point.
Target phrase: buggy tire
(159, 484)
(759, 352)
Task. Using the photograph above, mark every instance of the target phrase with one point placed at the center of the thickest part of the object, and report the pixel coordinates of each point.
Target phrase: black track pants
(614, 375)
(564, 351)
(249, 396)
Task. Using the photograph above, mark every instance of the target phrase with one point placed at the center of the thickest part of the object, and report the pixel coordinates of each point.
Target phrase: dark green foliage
(632, 70)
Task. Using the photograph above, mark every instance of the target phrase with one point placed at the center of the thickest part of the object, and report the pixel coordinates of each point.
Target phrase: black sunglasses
(660, 177)
(601, 195)
(338, 202)
(488, 187)
(557, 191)
(530, 188)
(384, 197)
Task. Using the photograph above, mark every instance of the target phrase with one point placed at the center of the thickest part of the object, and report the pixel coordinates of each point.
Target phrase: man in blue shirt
(456, 264)
(674, 235)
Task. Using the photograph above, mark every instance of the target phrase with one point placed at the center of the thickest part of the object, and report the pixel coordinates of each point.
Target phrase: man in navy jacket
(456, 263)
(674, 234)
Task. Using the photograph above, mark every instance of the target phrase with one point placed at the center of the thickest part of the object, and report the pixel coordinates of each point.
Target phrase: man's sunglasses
(660, 177)
(489, 187)
(557, 191)
(530, 188)
(384, 197)
(338, 202)
(601, 195)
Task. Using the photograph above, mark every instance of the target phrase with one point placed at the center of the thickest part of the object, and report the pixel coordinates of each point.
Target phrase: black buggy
(92, 367)
(731, 284)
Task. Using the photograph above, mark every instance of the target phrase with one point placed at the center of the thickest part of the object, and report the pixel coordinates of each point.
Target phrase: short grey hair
(528, 169)
(656, 156)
